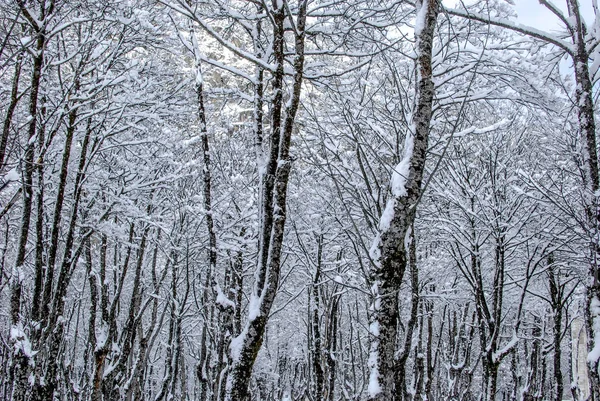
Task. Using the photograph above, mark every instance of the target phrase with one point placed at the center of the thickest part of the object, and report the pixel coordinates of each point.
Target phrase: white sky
(532, 13)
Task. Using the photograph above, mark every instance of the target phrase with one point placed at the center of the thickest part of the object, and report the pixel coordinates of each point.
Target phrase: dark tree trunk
(402, 392)
(14, 99)
(315, 344)
(20, 362)
(389, 251)
(245, 347)
(556, 298)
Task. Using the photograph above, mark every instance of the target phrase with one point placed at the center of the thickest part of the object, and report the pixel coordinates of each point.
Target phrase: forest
(299, 200)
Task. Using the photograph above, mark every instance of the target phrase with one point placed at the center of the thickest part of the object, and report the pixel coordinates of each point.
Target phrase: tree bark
(14, 99)
(245, 347)
(389, 251)
(18, 336)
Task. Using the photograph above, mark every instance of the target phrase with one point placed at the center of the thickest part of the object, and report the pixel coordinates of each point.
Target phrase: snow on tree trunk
(244, 348)
(390, 248)
(580, 384)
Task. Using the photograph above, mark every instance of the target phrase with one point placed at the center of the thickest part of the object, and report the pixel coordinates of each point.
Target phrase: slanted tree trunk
(245, 347)
(14, 99)
(389, 251)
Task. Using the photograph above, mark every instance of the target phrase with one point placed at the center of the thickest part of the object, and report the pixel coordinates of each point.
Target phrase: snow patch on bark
(374, 386)
(386, 217)
(236, 345)
(254, 307)
(374, 251)
(374, 328)
(397, 184)
(594, 354)
(20, 340)
(223, 300)
(101, 336)
(420, 20)
(400, 173)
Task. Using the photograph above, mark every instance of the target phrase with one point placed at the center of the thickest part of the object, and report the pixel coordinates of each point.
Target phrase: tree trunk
(18, 336)
(389, 250)
(315, 344)
(245, 347)
(14, 99)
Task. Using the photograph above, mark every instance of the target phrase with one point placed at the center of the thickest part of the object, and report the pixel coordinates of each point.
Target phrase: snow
(594, 354)
(398, 184)
(223, 300)
(401, 172)
(101, 336)
(142, 118)
(496, 356)
(388, 214)
(374, 250)
(18, 274)
(374, 328)
(515, 26)
(12, 175)
(20, 340)
(254, 307)
(484, 130)
(420, 20)
(236, 345)
(374, 386)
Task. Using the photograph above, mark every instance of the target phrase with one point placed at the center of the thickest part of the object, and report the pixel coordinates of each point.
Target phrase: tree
(389, 250)
(581, 48)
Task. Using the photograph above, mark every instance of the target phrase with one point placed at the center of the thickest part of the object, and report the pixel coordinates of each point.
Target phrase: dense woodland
(269, 200)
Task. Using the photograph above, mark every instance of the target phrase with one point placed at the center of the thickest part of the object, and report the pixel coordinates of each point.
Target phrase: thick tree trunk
(389, 251)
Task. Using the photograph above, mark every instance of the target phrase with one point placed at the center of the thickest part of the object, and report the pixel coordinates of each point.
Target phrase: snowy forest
(282, 200)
